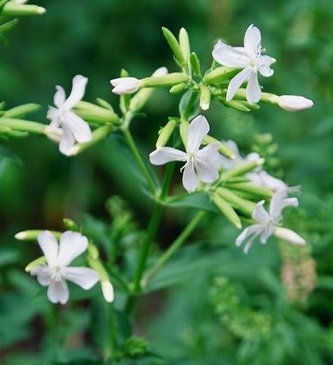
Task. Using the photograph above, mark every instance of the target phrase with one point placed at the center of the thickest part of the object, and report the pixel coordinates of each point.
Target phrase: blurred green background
(39, 187)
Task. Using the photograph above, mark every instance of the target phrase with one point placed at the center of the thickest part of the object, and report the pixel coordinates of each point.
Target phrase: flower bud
(204, 97)
(293, 102)
(107, 290)
(289, 236)
(245, 206)
(165, 133)
(184, 44)
(219, 74)
(13, 8)
(97, 135)
(226, 209)
(21, 110)
(174, 45)
(125, 85)
(165, 80)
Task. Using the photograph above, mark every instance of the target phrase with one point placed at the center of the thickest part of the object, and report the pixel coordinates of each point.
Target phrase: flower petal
(67, 140)
(49, 245)
(253, 91)
(42, 273)
(260, 214)
(71, 245)
(263, 64)
(248, 236)
(197, 130)
(85, 277)
(230, 56)
(58, 292)
(166, 154)
(78, 89)
(79, 127)
(237, 81)
(190, 179)
(59, 96)
(252, 40)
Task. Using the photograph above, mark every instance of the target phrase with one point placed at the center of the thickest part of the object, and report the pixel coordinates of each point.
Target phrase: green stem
(111, 337)
(174, 246)
(150, 235)
(132, 145)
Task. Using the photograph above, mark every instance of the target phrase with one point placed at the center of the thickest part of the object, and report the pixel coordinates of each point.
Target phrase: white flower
(248, 58)
(292, 102)
(268, 222)
(201, 164)
(56, 270)
(73, 127)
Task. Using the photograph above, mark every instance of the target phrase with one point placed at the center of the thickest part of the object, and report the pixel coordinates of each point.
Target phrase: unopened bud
(165, 133)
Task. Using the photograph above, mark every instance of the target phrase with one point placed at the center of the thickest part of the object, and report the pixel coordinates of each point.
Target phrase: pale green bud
(224, 149)
(241, 105)
(32, 234)
(195, 63)
(40, 261)
(174, 45)
(238, 203)
(226, 209)
(219, 75)
(93, 113)
(97, 135)
(175, 89)
(14, 9)
(241, 169)
(204, 97)
(21, 110)
(71, 225)
(184, 44)
(165, 133)
(22, 125)
(255, 190)
(166, 80)
(183, 131)
(107, 288)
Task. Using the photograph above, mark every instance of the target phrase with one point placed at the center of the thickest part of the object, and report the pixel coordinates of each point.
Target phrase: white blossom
(73, 128)
(200, 164)
(249, 59)
(269, 222)
(56, 270)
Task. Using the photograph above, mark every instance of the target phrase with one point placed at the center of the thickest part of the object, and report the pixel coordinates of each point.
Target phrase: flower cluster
(209, 165)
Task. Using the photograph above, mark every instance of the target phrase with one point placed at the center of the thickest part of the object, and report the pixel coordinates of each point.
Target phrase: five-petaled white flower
(250, 59)
(56, 270)
(201, 164)
(269, 222)
(73, 127)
